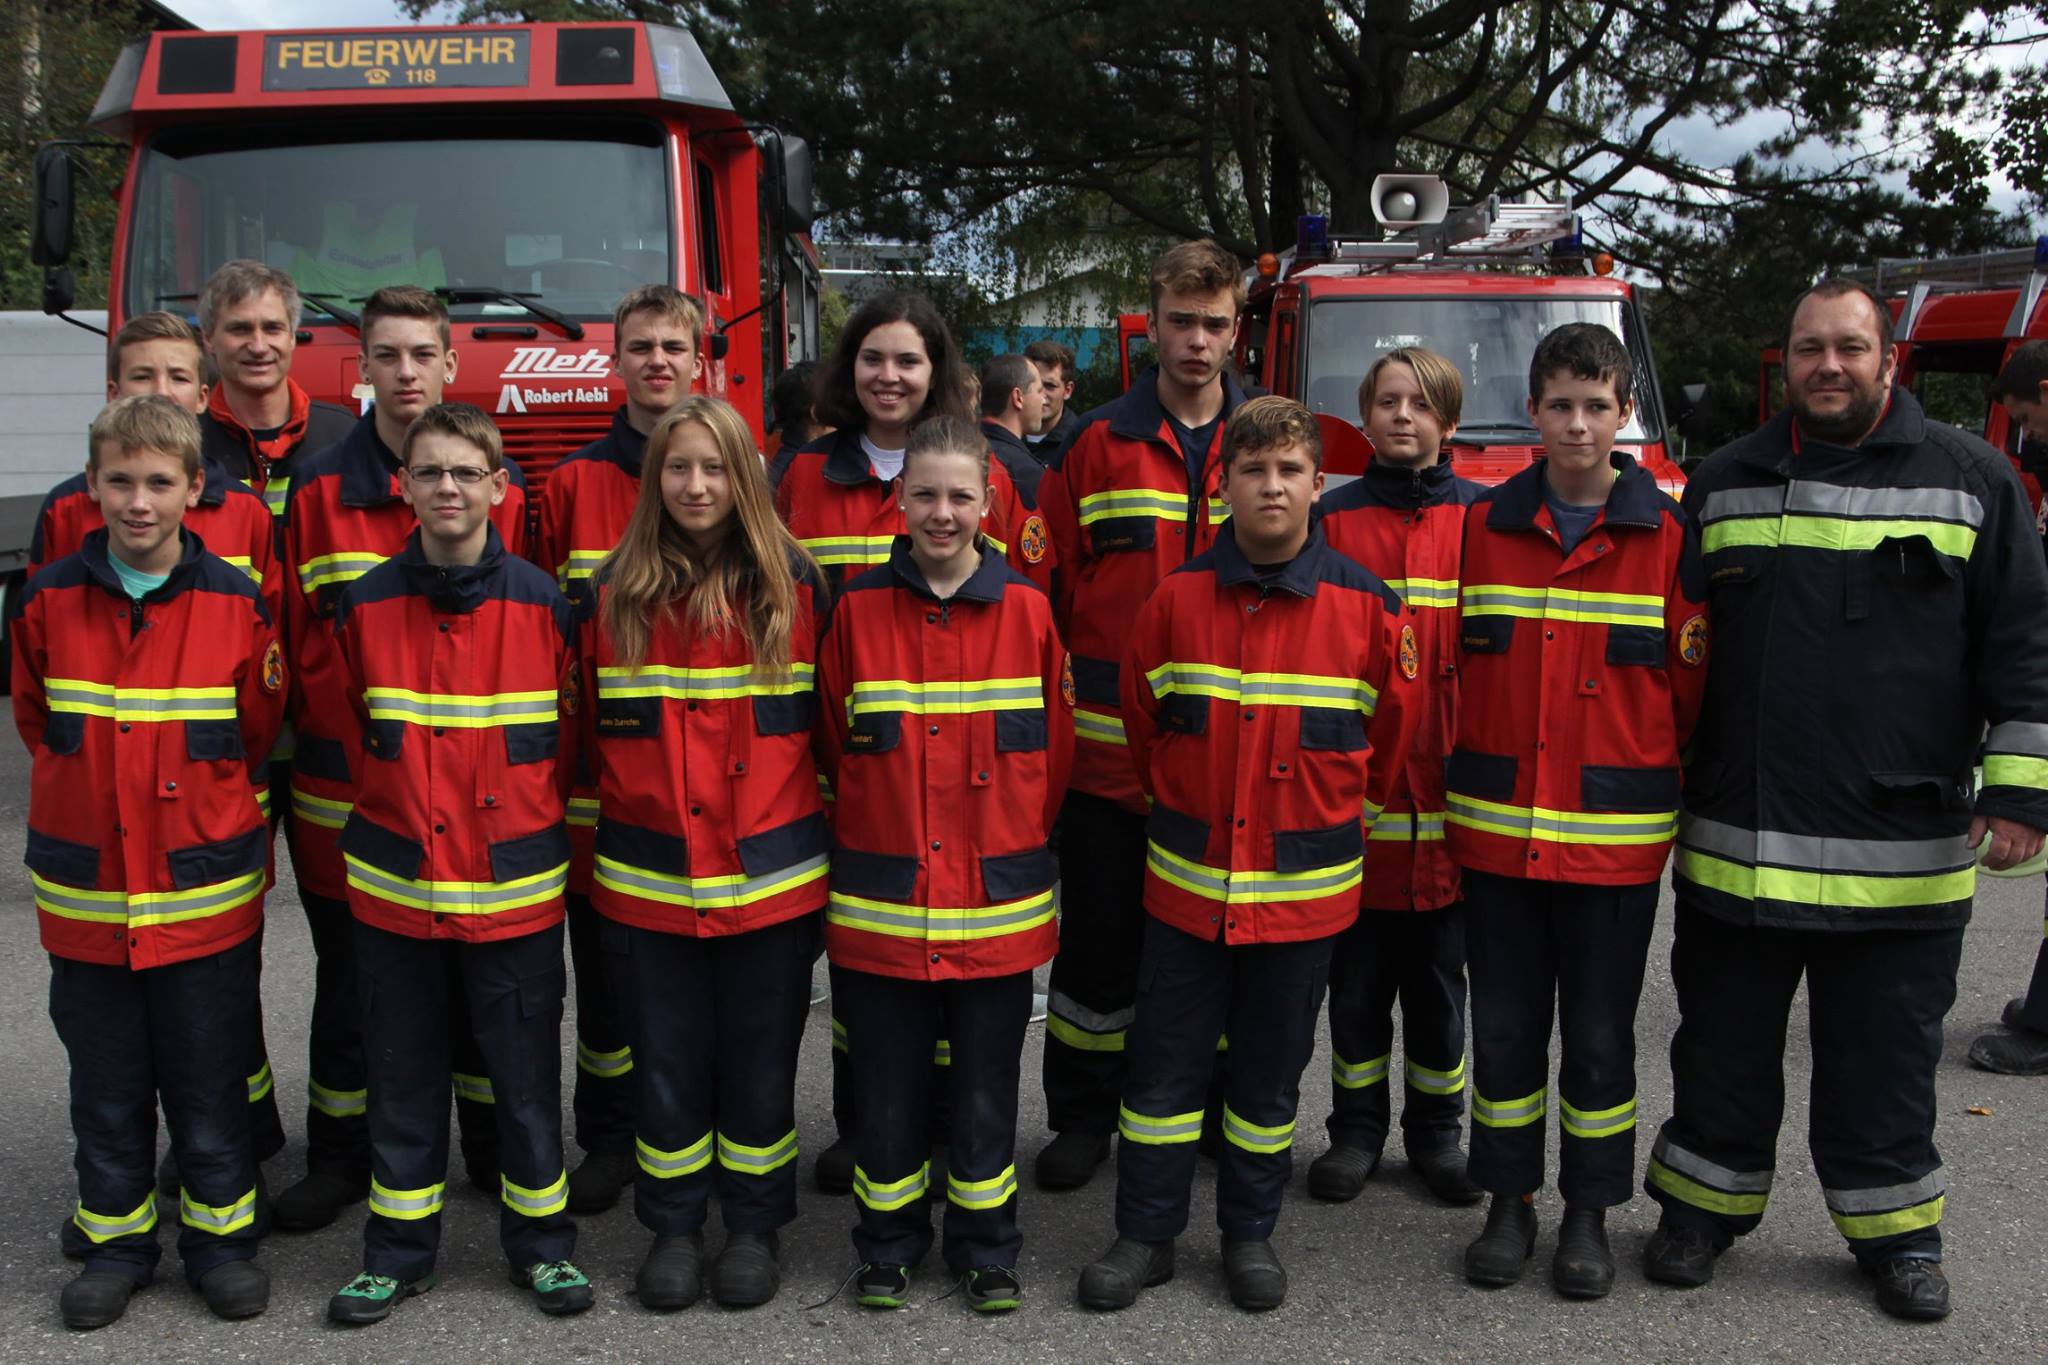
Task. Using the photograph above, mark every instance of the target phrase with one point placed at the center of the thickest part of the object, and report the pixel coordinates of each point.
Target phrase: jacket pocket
(64, 732)
(1116, 535)
(1490, 777)
(1020, 732)
(1013, 876)
(628, 717)
(794, 714)
(213, 739)
(876, 876)
(204, 864)
(1486, 634)
(799, 841)
(875, 732)
(384, 849)
(1181, 835)
(1913, 564)
(533, 743)
(1923, 791)
(318, 756)
(530, 855)
(1180, 714)
(1628, 790)
(1642, 646)
(1300, 850)
(650, 849)
(384, 739)
(1096, 681)
(61, 860)
(1327, 727)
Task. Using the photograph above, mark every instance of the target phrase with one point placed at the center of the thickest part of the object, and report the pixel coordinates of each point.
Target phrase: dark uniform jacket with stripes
(709, 817)
(832, 502)
(1123, 514)
(266, 466)
(346, 516)
(456, 676)
(148, 725)
(1407, 526)
(1263, 718)
(1582, 676)
(229, 518)
(1875, 609)
(947, 734)
(584, 508)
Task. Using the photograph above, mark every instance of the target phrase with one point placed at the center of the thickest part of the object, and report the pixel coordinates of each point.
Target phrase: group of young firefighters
(1139, 699)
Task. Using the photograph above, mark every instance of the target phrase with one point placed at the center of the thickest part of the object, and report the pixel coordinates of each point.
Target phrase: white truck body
(53, 381)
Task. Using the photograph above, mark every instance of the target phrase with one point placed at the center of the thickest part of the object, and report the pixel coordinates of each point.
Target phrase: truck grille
(539, 443)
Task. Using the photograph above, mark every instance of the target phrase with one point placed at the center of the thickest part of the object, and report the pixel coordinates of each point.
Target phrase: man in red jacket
(148, 685)
(1133, 496)
(1268, 694)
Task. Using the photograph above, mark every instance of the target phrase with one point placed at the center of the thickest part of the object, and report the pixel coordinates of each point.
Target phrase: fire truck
(530, 174)
(1479, 285)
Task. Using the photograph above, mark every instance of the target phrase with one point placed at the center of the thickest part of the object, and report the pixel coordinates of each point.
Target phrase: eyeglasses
(427, 475)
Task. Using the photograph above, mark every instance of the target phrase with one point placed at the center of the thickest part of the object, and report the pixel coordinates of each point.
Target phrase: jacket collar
(624, 446)
(456, 588)
(1139, 415)
(289, 435)
(1635, 499)
(1386, 485)
(1777, 443)
(99, 564)
(215, 490)
(369, 470)
(1300, 576)
(845, 462)
(999, 439)
(985, 584)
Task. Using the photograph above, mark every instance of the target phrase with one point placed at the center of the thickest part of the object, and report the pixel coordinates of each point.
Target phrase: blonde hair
(1441, 384)
(145, 422)
(654, 565)
(461, 421)
(666, 302)
(156, 325)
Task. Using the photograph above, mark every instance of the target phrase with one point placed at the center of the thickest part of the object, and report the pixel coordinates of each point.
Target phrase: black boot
(1910, 1287)
(1339, 1174)
(1256, 1278)
(747, 1273)
(1068, 1162)
(95, 1299)
(833, 1169)
(1584, 1265)
(594, 1185)
(236, 1289)
(317, 1201)
(2021, 1052)
(1114, 1279)
(1443, 1170)
(672, 1276)
(1504, 1246)
(1678, 1256)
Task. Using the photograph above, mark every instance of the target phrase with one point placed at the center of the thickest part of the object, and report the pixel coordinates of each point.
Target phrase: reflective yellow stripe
(1243, 888)
(946, 698)
(472, 1088)
(1518, 1113)
(458, 898)
(455, 711)
(701, 684)
(344, 566)
(541, 1203)
(1158, 1131)
(1843, 890)
(883, 1196)
(606, 1064)
(1408, 827)
(1833, 533)
(1099, 727)
(1080, 1039)
(715, 893)
(838, 551)
(2015, 770)
(263, 801)
(406, 1205)
(1561, 604)
(245, 564)
(146, 908)
(318, 810)
(1597, 1123)
(274, 493)
(338, 1104)
(218, 1219)
(1219, 508)
(992, 1193)
(1257, 1138)
(1358, 1075)
(1559, 826)
(1163, 503)
(1426, 592)
(583, 812)
(579, 564)
(738, 1156)
(1432, 1082)
(1690, 1191)
(1262, 689)
(99, 1227)
(1868, 1225)
(262, 1083)
(668, 1165)
(940, 925)
(138, 704)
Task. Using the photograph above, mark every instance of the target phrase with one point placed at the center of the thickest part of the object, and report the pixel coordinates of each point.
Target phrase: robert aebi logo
(547, 364)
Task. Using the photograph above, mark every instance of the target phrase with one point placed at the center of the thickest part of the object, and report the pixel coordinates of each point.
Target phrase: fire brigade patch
(572, 689)
(1033, 538)
(1692, 642)
(1411, 654)
(1067, 682)
(273, 668)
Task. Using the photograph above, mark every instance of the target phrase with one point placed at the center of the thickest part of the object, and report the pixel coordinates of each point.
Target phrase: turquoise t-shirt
(137, 583)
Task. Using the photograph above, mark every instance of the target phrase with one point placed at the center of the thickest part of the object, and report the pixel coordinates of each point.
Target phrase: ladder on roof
(1489, 230)
(2024, 269)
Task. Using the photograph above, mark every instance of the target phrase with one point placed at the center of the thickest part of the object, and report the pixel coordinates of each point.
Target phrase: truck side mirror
(798, 209)
(1692, 422)
(60, 290)
(51, 232)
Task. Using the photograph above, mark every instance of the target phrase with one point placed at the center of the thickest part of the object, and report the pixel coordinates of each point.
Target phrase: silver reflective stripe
(453, 898)
(1162, 1129)
(1833, 500)
(2019, 737)
(1503, 1111)
(1889, 1197)
(411, 1201)
(1707, 1173)
(1262, 689)
(663, 1165)
(1649, 613)
(1558, 822)
(879, 696)
(962, 923)
(1176, 869)
(1743, 502)
(1820, 853)
(217, 1220)
(1094, 1021)
(1357, 1075)
(430, 709)
(536, 1203)
(735, 1157)
(721, 892)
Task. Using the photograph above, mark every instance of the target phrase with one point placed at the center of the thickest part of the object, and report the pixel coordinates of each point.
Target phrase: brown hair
(654, 566)
(156, 325)
(405, 301)
(669, 303)
(947, 436)
(238, 280)
(839, 406)
(1269, 423)
(145, 422)
(462, 422)
(1045, 351)
(1835, 287)
(1443, 388)
(2023, 375)
(1200, 267)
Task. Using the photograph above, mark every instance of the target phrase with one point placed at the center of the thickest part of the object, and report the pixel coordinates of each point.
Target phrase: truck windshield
(1490, 340)
(573, 215)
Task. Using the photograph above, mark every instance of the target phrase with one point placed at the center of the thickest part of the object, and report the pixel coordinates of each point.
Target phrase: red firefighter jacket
(848, 518)
(1582, 676)
(148, 723)
(947, 729)
(709, 819)
(267, 466)
(345, 517)
(1406, 527)
(1263, 716)
(456, 676)
(1125, 508)
(584, 508)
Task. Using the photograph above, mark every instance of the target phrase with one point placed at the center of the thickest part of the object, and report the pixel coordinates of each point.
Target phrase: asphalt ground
(1375, 1280)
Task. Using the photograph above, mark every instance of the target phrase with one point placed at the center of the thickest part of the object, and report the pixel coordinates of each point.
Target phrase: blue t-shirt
(138, 584)
(1573, 521)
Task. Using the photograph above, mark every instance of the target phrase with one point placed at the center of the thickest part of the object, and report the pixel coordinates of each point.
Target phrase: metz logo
(546, 364)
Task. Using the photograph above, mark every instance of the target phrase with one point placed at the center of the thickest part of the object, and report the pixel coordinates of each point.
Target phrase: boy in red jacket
(1583, 649)
(148, 685)
(1267, 697)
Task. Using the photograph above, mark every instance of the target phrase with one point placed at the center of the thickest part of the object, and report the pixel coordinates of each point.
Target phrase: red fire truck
(530, 173)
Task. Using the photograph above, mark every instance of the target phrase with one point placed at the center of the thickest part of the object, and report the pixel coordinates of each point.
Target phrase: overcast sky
(289, 13)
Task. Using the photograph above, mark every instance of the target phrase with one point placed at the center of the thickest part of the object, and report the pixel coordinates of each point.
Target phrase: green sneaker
(559, 1287)
(993, 1289)
(370, 1298)
(882, 1286)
